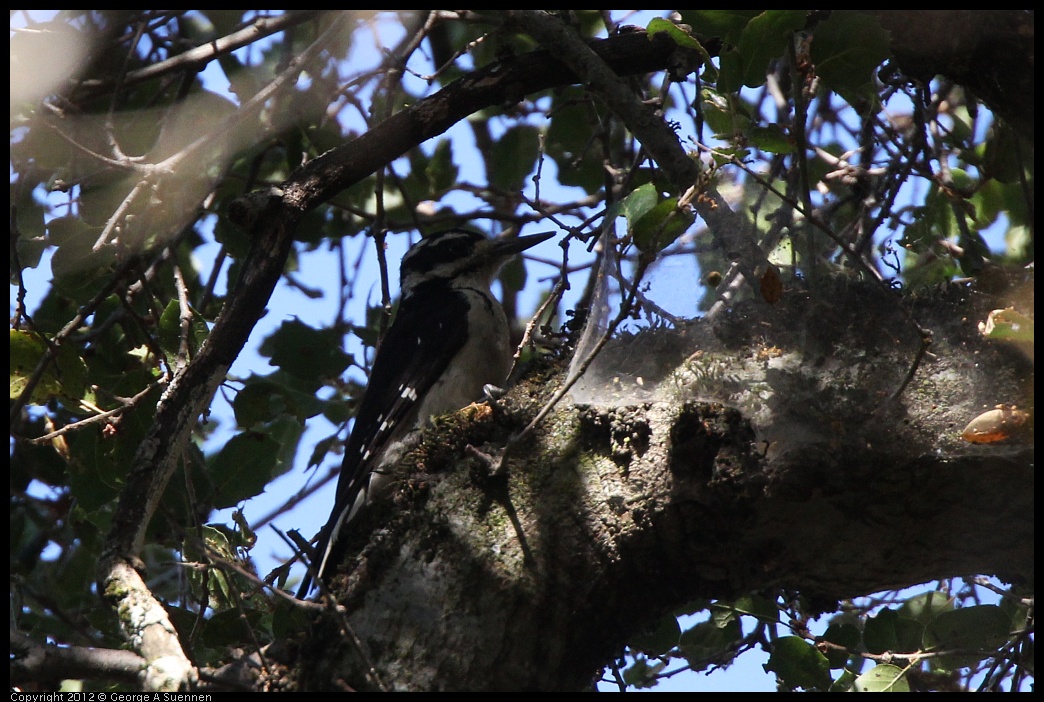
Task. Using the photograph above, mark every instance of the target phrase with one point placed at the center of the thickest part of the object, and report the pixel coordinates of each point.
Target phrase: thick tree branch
(49, 665)
(808, 479)
(503, 83)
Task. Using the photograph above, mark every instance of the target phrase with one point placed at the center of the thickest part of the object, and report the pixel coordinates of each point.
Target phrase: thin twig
(625, 310)
(561, 285)
(128, 404)
(184, 317)
(196, 59)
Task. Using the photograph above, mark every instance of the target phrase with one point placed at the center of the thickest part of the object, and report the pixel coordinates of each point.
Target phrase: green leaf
(218, 593)
(31, 241)
(430, 176)
(926, 606)
(979, 628)
(763, 608)
(988, 201)
(170, 330)
(288, 620)
(660, 639)
(842, 634)
(76, 267)
(727, 25)
(879, 633)
(250, 460)
(641, 674)
(568, 141)
(94, 479)
(234, 239)
(1008, 325)
(638, 203)
(265, 398)
(710, 642)
(935, 220)
(310, 354)
(846, 48)
(682, 37)
(727, 115)
(730, 77)
(765, 39)
(65, 376)
(514, 157)
(882, 678)
(891, 631)
(844, 682)
(772, 138)
(799, 664)
(678, 34)
(659, 227)
(442, 171)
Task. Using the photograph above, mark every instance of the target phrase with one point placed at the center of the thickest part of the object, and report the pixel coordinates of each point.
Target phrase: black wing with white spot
(416, 350)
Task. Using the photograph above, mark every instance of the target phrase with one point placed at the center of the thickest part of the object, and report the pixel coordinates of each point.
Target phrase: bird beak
(510, 247)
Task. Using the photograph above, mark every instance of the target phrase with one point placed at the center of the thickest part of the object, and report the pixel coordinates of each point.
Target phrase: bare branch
(196, 59)
(32, 662)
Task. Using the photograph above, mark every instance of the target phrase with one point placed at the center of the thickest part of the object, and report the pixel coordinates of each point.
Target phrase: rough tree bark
(765, 450)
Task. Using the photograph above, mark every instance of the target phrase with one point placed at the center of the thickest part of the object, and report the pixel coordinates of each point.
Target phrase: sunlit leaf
(882, 678)
(659, 227)
(65, 375)
(1007, 324)
(683, 38)
(638, 203)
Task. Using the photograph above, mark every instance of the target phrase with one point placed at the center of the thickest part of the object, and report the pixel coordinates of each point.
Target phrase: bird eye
(456, 250)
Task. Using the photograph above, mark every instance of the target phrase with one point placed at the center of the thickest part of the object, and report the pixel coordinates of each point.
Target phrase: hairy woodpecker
(450, 339)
